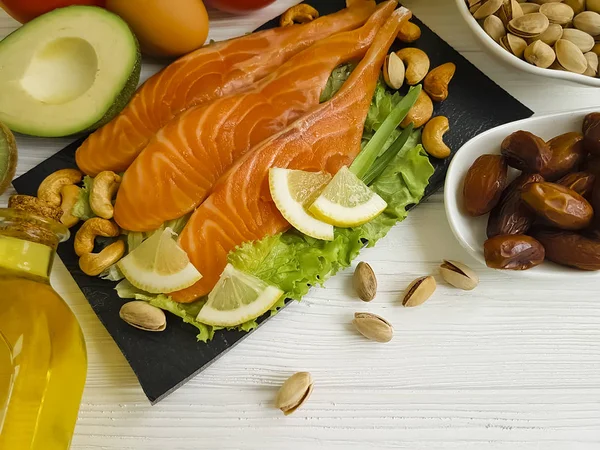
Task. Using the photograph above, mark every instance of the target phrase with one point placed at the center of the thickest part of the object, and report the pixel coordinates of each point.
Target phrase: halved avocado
(8, 157)
(70, 70)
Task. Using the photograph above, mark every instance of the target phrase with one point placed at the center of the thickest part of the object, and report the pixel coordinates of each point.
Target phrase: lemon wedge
(158, 265)
(347, 202)
(292, 192)
(237, 298)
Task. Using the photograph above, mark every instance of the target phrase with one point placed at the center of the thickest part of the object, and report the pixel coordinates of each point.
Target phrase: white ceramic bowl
(471, 231)
(494, 49)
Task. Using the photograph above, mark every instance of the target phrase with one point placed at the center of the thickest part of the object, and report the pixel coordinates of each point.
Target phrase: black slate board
(164, 361)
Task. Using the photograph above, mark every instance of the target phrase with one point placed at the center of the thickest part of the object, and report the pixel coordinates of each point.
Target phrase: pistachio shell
(459, 275)
(577, 5)
(419, 291)
(294, 392)
(529, 8)
(373, 327)
(365, 282)
(394, 71)
(593, 5)
(570, 57)
(509, 10)
(588, 21)
(551, 35)
(143, 315)
(540, 54)
(494, 27)
(514, 44)
(581, 39)
(529, 25)
(487, 9)
(558, 13)
(592, 60)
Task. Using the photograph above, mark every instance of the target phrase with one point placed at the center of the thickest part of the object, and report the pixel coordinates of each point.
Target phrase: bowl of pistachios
(551, 38)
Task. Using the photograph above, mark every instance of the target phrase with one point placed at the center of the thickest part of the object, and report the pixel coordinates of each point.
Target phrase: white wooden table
(508, 366)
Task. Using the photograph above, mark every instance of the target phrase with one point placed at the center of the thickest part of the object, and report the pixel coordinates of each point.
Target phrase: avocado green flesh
(8, 157)
(68, 71)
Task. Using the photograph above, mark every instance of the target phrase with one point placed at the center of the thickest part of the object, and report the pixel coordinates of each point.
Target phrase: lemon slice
(237, 298)
(158, 265)
(292, 192)
(347, 201)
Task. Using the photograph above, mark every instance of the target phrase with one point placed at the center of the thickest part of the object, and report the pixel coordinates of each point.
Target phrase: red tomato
(238, 6)
(25, 10)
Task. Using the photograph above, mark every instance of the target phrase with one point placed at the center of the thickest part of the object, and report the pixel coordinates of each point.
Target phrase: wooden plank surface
(508, 366)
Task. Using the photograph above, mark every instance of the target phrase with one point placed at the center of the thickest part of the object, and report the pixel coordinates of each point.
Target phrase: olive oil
(43, 360)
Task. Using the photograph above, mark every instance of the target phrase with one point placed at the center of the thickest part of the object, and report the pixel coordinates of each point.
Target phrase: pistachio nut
(529, 25)
(529, 8)
(373, 327)
(393, 71)
(143, 315)
(514, 44)
(570, 57)
(551, 35)
(577, 5)
(588, 21)
(592, 60)
(596, 48)
(487, 8)
(459, 275)
(294, 392)
(494, 27)
(558, 13)
(592, 5)
(419, 291)
(365, 282)
(509, 10)
(581, 39)
(540, 54)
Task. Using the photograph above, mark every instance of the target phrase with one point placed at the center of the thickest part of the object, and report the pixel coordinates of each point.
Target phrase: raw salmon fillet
(210, 72)
(241, 209)
(177, 169)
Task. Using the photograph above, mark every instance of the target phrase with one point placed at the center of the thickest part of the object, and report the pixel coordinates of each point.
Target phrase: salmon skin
(180, 165)
(240, 208)
(211, 72)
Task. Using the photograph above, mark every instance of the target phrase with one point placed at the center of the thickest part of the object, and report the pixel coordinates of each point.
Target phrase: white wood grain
(504, 367)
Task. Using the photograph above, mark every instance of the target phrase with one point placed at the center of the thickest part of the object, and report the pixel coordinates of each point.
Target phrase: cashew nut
(420, 113)
(105, 186)
(84, 239)
(298, 14)
(35, 206)
(393, 71)
(94, 263)
(69, 194)
(437, 81)
(416, 62)
(409, 32)
(49, 190)
(433, 137)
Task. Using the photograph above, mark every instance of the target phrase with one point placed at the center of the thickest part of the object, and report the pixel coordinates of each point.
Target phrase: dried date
(570, 249)
(566, 154)
(580, 182)
(526, 151)
(484, 184)
(559, 205)
(591, 133)
(512, 215)
(513, 252)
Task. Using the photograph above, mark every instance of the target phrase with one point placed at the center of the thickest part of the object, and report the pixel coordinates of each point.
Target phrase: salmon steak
(208, 73)
(179, 166)
(240, 207)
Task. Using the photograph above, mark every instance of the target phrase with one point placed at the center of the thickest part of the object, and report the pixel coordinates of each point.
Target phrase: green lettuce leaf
(337, 78)
(112, 273)
(403, 182)
(82, 207)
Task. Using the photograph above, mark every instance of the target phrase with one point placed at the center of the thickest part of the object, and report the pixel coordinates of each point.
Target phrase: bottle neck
(26, 258)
